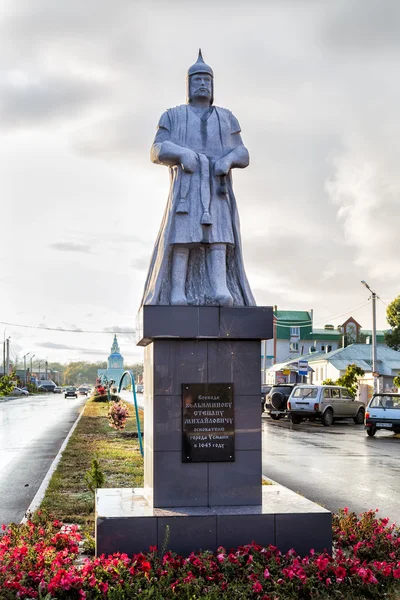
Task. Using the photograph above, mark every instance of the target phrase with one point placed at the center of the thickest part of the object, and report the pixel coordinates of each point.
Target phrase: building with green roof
(294, 334)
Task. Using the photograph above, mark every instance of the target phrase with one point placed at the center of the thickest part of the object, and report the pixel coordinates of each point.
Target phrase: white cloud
(315, 89)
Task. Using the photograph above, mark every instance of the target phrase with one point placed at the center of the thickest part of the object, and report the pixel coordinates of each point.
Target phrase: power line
(62, 330)
(332, 317)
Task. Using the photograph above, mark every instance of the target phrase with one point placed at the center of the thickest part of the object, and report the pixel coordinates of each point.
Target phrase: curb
(45, 483)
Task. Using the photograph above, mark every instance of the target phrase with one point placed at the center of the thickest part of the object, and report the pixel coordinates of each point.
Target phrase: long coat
(198, 193)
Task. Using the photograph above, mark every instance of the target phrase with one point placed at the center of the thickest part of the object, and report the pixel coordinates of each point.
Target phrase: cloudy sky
(315, 86)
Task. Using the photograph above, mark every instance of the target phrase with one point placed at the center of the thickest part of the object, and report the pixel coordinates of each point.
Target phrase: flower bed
(37, 561)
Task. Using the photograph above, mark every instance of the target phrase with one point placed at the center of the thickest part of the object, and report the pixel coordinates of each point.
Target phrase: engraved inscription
(208, 422)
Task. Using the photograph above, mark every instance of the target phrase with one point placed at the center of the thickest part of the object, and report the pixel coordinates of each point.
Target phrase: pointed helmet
(199, 67)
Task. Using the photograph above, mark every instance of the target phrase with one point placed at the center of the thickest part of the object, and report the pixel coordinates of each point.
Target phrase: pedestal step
(126, 522)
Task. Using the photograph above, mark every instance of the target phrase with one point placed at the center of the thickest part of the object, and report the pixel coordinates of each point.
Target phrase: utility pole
(25, 367)
(8, 356)
(375, 374)
(45, 366)
(4, 351)
(30, 373)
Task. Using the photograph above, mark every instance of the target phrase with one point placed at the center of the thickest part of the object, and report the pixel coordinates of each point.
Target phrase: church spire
(115, 347)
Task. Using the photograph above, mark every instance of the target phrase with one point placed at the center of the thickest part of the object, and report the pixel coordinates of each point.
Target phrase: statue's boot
(180, 259)
(219, 287)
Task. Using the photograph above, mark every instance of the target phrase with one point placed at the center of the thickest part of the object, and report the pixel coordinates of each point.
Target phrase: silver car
(19, 392)
(324, 403)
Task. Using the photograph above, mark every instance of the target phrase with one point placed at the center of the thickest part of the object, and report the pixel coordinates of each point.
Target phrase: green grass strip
(68, 497)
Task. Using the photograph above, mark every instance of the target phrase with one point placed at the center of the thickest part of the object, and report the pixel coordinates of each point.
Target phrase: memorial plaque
(208, 423)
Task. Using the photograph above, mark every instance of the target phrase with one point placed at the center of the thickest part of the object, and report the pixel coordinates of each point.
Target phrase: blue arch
(130, 375)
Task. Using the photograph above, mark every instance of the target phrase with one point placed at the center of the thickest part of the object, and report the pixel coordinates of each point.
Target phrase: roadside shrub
(117, 415)
(99, 398)
(94, 477)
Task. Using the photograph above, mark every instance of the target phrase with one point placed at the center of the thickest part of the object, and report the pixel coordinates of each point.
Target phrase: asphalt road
(128, 397)
(32, 430)
(335, 466)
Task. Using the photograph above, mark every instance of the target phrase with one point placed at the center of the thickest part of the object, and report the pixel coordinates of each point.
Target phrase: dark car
(276, 400)
(70, 392)
(265, 389)
(83, 391)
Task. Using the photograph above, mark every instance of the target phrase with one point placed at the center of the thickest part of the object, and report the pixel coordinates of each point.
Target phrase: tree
(82, 372)
(6, 384)
(350, 379)
(137, 371)
(392, 338)
(396, 381)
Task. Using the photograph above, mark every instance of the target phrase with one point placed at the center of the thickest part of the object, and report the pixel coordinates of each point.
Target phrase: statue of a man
(197, 258)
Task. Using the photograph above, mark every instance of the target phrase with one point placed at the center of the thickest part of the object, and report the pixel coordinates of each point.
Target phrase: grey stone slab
(247, 422)
(185, 511)
(303, 532)
(148, 460)
(148, 363)
(189, 322)
(170, 321)
(241, 528)
(177, 483)
(130, 535)
(208, 321)
(177, 362)
(167, 423)
(121, 502)
(238, 482)
(247, 322)
(280, 500)
(238, 362)
(188, 533)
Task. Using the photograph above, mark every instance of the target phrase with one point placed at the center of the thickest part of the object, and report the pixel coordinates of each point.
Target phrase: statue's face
(201, 86)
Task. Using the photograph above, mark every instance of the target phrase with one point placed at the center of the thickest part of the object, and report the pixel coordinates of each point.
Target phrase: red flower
(145, 566)
(257, 587)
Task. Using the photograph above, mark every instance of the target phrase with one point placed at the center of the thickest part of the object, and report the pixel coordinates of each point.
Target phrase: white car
(383, 412)
(19, 392)
(324, 403)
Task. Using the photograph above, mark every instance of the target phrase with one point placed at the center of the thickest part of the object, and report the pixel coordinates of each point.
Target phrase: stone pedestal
(205, 504)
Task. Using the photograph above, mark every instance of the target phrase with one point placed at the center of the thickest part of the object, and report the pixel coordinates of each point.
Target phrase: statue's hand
(222, 167)
(189, 161)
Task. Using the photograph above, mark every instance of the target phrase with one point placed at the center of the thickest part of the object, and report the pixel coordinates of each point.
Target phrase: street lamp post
(4, 350)
(27, 354)
(374, 359)
(40, 362)
(33, 356)
(7, 342)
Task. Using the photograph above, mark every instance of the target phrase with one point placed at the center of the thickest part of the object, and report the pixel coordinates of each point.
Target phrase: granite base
(126, 522)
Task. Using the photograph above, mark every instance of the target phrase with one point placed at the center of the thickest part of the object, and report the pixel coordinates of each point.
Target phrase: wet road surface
(127, 396)
(32, 430)
(335, 466)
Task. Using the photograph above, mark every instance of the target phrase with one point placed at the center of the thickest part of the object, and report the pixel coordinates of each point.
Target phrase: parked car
(139, 388)
(383, 412)
(57, 390)
(70, 392)
(324, 403)
(276, 400)
(19, 392)
(265, 389)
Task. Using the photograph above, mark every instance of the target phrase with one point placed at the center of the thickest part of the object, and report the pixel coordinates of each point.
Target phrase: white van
(324, 403)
